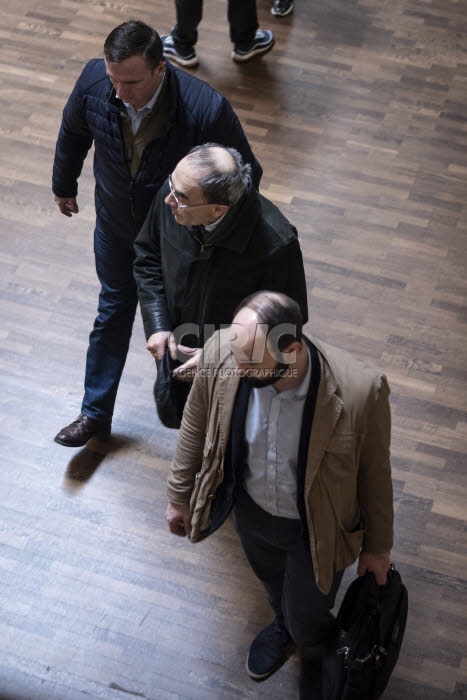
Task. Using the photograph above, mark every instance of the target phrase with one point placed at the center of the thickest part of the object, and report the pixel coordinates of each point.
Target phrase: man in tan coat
(294, 436)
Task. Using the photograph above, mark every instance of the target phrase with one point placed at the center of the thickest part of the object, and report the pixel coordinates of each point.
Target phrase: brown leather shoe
(83, 429)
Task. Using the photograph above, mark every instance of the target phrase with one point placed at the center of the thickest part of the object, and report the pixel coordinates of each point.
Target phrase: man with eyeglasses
(209, 240)
(142, 115)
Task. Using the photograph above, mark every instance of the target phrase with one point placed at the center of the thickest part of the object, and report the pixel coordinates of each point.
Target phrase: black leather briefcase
(359, 660)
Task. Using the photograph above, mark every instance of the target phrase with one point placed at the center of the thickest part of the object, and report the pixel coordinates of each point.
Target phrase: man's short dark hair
(220, 186)
(275, 309)
(133, 38)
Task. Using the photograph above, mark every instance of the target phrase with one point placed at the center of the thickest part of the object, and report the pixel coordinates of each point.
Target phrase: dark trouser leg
(306, 609)
(281, 559)
(110, 337)
(255, 529)
(189, 15)
(307, 616)
(243, 22)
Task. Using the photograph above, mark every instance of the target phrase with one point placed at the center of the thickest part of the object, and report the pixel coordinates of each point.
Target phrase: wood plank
(359, 118)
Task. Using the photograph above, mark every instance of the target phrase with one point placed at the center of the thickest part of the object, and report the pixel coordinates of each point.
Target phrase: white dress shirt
(272, 431)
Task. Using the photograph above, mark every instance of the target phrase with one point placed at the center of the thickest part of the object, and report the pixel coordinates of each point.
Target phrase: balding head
(277, 313)
(266, 341)
(219, 172)
(220, 156)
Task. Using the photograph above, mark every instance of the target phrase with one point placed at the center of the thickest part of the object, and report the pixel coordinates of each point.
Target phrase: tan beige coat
(348, 488)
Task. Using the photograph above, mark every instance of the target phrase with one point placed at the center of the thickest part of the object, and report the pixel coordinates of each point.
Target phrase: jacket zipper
(132, 200)
(202, 244)
(203, 315)
(132, 182)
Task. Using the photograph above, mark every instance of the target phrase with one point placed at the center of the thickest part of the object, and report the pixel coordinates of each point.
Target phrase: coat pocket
(207, 481)
(348, 547)
(342, 454)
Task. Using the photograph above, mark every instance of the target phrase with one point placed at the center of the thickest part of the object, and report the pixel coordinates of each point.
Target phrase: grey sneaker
(282, 8)
(184, 57)
(262, 43)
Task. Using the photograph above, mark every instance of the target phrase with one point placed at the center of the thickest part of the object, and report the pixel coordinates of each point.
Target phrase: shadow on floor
(84, 463)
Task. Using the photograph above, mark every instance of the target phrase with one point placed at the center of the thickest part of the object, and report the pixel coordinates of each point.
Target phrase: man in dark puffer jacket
(208, 241)
(143, 116)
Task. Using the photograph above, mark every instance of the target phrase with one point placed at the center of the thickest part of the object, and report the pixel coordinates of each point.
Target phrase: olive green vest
(148, 130)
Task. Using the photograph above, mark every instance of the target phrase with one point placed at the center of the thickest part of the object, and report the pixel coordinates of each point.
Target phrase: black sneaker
(282, 8)
(269, 650)
(262, 43)
(184, 57)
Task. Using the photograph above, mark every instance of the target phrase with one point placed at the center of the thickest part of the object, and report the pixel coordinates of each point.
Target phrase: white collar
(148, 107)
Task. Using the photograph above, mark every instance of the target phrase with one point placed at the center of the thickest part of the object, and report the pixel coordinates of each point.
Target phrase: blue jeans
(241, 14)
(110, 338)
(281, 559)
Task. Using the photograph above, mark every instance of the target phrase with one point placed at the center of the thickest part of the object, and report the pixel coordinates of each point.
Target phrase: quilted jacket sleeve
(73, 143)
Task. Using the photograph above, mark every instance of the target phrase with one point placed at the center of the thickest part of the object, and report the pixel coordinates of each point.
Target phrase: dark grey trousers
(280, 558)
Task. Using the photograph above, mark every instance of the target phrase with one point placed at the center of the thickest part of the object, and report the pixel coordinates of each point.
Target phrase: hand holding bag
(359, 661)
(170, 394)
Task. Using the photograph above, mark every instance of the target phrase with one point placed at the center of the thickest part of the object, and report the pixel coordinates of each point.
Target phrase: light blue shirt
(137, 115)
(272, 431)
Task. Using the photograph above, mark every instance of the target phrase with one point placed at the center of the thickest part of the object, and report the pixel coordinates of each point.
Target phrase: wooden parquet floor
(359, 117)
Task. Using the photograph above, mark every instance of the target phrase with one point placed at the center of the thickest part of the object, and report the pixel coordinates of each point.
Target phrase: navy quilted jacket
(197, 114)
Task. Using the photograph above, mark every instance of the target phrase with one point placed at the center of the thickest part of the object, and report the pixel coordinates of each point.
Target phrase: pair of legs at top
(247, 38)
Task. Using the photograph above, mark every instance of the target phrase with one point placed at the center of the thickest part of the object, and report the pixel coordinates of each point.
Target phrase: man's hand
(157, 343)
(377, 563)
(179, 518)
(67, 205)
(186, 372)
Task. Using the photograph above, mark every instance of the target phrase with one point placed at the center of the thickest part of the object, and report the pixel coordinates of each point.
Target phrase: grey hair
(220, 186)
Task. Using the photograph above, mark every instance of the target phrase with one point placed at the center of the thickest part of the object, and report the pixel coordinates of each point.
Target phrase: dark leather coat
(255, 248)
